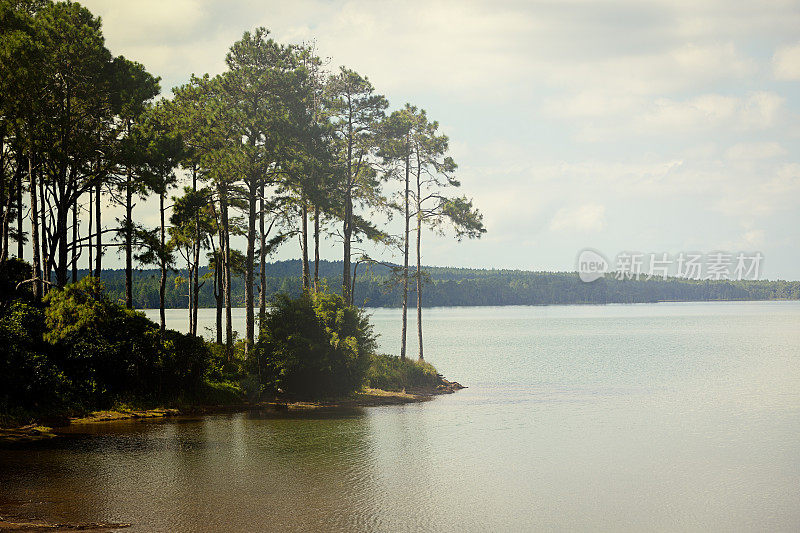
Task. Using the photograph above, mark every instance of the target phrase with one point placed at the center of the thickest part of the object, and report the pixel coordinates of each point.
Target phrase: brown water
(626, 418)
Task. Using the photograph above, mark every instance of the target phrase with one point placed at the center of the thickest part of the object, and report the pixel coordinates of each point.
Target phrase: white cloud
(786, 62)
(755, 197)
(634, 73)
(584, 218)
(752, 238)
(713, 61)
(173, 21)
(754, 151)
(588, 103)
(703, 110)
(757, 110)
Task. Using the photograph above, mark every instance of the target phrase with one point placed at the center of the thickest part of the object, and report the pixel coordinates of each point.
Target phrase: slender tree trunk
(219, 253)
(262, 259)
(304, 246)
(20, 206)
(163, 285)
(419, 261)
(37, 266)
(7, 199)
(250, 265)
(316, 248)
(197, 246)
(4, 232)
(353, 287)
(226, 270)
(62, 204)
(89, 235)
(98, 257)
(4, 242)
(4, 205)
(347, 230)
(4, 229)
(218, 294)
(191, 289)
(45, 260)
(129, 240)
(405, 261)
(196, 294)
(62, 226)
(75, 241)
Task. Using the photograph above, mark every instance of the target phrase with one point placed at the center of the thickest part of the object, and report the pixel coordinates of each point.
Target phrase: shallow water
(626, 418)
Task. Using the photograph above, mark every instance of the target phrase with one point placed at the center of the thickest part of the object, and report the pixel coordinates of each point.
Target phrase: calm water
(666, 417)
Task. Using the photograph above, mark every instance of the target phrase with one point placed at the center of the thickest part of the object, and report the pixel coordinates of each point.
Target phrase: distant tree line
(376, 285)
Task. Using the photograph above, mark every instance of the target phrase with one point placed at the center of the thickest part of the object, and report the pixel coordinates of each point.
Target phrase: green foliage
(313, 346)
(464, 218)
(12, 273)
(82, 351)
(110, 352)
(389, 372)
(217, 393)
(185, 360)
(29, 379)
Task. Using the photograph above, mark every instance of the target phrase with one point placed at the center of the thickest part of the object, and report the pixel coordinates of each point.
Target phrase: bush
(77, 350)
(218, 393)
(111, 353)
(29, 379)
(14, 272)
(185, 361)
(106, 351)
(313, 346)
(389, 372)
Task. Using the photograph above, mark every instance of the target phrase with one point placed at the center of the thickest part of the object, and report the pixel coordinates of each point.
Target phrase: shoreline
(34, 433)
(13, 519)
(549, 304)
(29, 525)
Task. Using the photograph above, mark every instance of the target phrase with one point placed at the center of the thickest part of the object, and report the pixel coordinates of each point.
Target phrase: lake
(658, 417)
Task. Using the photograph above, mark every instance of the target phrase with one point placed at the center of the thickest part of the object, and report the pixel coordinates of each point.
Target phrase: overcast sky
(627, 125)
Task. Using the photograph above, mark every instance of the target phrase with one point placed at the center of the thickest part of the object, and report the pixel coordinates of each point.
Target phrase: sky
(658, 127)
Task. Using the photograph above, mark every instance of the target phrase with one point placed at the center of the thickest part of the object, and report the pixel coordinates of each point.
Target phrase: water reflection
(242, 472)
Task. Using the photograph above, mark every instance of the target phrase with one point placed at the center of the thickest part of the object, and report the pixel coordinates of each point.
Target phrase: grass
(390, 373)
(219, 393)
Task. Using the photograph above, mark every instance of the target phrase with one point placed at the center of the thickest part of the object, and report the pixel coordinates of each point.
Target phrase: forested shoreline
(376, 286)
(276, 150)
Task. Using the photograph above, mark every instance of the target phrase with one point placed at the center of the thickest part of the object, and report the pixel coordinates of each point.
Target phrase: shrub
(111, 353)
(14, 272)
(29, 379)
(185, 360)
(105, 350)
(218, 393)
(389, 372)
(82, 351)
(313, 346)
